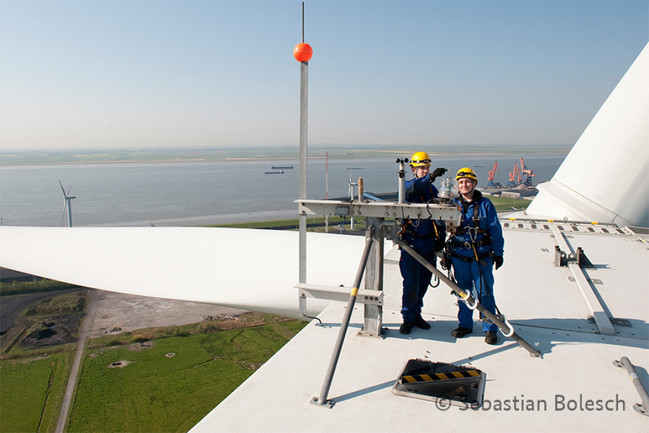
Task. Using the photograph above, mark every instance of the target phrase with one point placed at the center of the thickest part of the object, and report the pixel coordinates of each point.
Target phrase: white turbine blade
(603, 178)
(244, 268)
(62, 189)
(69, 189)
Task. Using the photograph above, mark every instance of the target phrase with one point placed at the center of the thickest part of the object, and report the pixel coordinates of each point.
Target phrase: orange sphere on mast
(302, 52)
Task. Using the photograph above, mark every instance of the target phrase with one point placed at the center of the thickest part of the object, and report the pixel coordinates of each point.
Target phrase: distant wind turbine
(67, 198)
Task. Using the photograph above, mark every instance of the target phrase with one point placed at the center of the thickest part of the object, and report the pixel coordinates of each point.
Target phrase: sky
(104, 74)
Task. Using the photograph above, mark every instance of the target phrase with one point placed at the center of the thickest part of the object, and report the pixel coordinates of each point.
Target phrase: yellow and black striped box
(458, 384)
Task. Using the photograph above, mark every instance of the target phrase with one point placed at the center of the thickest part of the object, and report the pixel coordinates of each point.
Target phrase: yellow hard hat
(419, 159)
(466, 172)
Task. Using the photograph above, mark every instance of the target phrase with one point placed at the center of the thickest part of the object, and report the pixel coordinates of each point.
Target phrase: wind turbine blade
(244, 268)
(69, 189)
(62, 189)
(578, 191)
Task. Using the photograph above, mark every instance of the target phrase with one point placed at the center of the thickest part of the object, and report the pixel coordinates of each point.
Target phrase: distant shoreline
(179, 155)
(208, 220)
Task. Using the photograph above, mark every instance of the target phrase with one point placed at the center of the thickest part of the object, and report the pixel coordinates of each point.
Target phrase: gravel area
(117, 312)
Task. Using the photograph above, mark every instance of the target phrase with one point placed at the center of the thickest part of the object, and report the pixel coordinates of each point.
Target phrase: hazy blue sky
(117, 73)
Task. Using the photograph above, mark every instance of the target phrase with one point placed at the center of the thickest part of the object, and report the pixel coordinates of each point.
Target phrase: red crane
(492, 173)
(516, 172)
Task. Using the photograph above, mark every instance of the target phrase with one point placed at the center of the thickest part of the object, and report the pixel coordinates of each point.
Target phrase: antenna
(302, 22)
(302, 53)
(67, 198)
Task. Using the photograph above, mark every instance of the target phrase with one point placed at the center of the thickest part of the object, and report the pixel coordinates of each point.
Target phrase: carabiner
(466, 301)
(511, 328)
(473, 233)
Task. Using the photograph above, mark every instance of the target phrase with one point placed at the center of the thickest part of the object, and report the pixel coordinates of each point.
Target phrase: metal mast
(302, 54)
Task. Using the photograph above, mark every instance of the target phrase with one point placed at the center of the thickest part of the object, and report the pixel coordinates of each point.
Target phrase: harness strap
(481, 242)
(435, 228)
(476, 211)
(470, 258)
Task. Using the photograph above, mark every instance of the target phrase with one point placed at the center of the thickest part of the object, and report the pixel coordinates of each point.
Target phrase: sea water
(119, 193)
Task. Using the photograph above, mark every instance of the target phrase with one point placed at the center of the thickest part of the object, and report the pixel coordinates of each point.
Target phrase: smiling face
(421, 171)
(466, 185)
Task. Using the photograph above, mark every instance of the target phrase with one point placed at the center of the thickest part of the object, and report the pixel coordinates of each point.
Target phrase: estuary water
(187, 193)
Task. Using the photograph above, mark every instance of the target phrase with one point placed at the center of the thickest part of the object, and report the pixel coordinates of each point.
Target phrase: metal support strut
(322, 400)
(641, 408)
(506, 330)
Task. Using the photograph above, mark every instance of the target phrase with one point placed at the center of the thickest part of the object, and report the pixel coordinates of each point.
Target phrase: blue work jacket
(422, 233)
(489, 237)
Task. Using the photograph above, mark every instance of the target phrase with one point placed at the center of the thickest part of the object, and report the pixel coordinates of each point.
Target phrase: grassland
(288, 224)
(504, 204)
(68, 303)
(170, 383)
(37, 286)
(174, 375)
(33, 378)
(32, 391)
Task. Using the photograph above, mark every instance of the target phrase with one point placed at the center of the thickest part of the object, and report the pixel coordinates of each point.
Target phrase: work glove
(437, 173)
(498, 260)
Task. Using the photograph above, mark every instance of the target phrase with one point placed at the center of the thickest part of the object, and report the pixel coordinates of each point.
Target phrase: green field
(283, 224)
(31, 392)
(36, 286)
(67, 303)
(504, 204)
(155, 392)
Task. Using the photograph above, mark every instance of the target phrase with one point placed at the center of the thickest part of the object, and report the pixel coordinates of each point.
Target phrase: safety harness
(474, 244)
(473, 233)
(405, 226)
(409, 228)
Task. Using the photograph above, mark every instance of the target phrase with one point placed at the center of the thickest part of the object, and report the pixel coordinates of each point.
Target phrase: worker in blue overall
(424, 236)
(476, 247)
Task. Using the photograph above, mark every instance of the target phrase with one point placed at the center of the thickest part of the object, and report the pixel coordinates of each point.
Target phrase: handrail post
(643, 407)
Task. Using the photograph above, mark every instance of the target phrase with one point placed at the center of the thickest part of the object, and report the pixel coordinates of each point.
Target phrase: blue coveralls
(476, 277)
(421, 235)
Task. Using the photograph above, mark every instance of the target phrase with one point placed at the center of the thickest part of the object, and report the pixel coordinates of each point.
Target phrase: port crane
(492, 174)
(515, 176)
(527, 172)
